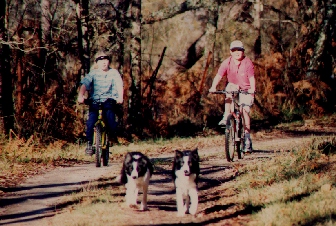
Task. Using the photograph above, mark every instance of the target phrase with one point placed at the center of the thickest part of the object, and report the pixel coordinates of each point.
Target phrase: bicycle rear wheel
(98, 145)
(230, 143)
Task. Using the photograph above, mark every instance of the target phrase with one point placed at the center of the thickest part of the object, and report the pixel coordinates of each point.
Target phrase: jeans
(108, 114)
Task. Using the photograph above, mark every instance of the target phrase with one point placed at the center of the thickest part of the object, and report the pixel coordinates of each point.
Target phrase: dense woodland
(161, 48)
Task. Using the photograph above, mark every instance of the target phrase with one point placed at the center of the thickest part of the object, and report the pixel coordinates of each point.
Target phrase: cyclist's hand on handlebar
(212, 90)
(119, 100)
(80, 99)
(251, 91)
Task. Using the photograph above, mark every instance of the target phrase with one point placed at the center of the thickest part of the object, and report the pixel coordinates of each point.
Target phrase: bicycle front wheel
(98, 145)
(238, 143)
(230, 143)
(105, 152)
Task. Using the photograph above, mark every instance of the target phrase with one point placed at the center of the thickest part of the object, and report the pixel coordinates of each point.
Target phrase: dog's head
(186, 161)
(135, 165)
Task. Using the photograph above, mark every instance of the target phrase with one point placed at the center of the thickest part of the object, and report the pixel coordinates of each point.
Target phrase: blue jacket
(103, 84)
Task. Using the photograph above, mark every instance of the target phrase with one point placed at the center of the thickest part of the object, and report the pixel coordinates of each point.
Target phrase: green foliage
(326, 145)
(296, 114)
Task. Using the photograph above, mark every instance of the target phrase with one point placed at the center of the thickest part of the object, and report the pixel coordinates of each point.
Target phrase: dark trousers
(108, 114)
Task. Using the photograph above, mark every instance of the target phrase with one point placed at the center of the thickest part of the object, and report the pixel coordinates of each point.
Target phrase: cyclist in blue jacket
(105, 85)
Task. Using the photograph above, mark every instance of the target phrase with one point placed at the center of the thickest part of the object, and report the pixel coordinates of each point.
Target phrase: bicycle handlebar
(231, 92)
(89, 101)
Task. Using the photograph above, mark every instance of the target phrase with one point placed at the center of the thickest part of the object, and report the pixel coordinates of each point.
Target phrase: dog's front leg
(135, 196)
(194, 201)
(144, 198)
(128, 195)
(131, 194)
(181, 210)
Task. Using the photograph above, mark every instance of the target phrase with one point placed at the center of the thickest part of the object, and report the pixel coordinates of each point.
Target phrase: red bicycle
(234, 127)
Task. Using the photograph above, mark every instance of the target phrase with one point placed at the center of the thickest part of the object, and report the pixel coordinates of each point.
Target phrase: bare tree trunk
(19, 61)
(257, 24)
(3, 63)
(322, 31)
(82, 13)
(45, 32)
(45, 22)
(6, 103)
(123, 57)
(135, 54)
(210, 35)
(85, 37)
(323, 38)
(19, 72)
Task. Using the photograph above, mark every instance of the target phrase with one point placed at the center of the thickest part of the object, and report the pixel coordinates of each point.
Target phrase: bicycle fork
(103, 132)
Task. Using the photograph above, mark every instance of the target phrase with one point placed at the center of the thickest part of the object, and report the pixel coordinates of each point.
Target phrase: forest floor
(36, 200)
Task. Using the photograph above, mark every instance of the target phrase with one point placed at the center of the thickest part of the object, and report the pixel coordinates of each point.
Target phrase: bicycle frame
(103, 126)
(237, 112)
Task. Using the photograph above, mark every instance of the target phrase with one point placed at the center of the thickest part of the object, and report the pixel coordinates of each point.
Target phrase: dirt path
(36, 198)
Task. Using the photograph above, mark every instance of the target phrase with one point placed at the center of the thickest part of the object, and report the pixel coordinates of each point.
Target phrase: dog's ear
(144, 161)
(123, 177)
(128, 157)
(178, 154)
(194, 154)
(149, 164)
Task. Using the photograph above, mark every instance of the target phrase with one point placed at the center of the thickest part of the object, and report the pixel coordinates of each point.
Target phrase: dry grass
(292, 189)
(317, 208)
(21, 158)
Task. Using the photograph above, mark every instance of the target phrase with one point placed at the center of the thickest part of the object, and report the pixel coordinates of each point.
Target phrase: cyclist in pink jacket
(239, 70)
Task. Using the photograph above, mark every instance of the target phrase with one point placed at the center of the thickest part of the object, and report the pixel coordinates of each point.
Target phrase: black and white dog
(135, 174)
(185, 174)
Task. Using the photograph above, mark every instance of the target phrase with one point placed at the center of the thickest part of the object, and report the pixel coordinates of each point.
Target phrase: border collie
(135, 174)
(185, 174)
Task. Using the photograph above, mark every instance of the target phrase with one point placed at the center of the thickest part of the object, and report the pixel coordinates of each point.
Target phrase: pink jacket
(237, 74)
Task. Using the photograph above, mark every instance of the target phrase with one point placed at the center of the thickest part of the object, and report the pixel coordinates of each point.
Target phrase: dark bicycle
(100, 144)
(234, 130)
